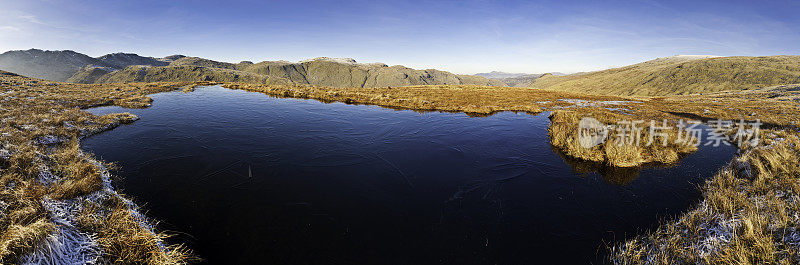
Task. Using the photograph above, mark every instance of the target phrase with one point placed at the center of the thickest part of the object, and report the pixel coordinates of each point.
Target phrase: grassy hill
(681, 75)
(186, 73)
(89, 74)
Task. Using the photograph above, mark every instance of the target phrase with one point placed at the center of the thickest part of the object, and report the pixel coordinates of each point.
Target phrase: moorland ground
(749, 212)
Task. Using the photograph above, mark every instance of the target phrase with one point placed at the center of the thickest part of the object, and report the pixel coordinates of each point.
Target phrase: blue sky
(459, 36)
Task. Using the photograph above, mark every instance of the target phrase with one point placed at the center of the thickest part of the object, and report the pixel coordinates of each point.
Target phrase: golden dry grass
(124, 240)
(19, 239)
(477, 100)
(563, 133)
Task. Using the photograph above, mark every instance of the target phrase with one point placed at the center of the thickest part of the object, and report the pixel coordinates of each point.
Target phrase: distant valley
(513, 79)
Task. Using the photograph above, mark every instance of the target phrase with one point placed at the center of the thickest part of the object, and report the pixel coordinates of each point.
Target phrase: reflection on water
(617, 175)
(247, 178)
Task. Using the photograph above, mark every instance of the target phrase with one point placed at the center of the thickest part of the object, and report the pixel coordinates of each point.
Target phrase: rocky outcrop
(122, 60)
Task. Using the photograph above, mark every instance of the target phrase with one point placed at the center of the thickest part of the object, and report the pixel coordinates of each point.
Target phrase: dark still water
(245, 178)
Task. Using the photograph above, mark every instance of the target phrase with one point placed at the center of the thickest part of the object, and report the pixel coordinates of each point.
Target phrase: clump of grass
(563, 133)
(134, 102)
(23, 221)
(18, 239)
(123, 237)
(88, 181)
(79, 176)
(120, 118)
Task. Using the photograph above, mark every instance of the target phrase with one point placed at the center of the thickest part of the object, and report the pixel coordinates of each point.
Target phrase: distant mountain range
(70, 66)
(681, 74)
(514, 79)
(500, 75)
(675, 75)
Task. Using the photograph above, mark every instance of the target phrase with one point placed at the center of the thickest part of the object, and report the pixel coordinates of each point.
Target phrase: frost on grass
(50, 139)
(66, 245)
(69, 244)
(750, 214)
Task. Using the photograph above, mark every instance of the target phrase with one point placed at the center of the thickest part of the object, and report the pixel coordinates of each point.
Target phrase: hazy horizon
(461, 37)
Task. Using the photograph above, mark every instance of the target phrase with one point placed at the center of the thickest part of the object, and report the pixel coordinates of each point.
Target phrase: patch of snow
(693, 56)
(5, 154)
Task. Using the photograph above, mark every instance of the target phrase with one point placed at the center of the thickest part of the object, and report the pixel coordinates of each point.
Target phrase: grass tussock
(749, 215)
(23, 238)
(123, 238)
(22, 219)
(79, 176)
(563, 133)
